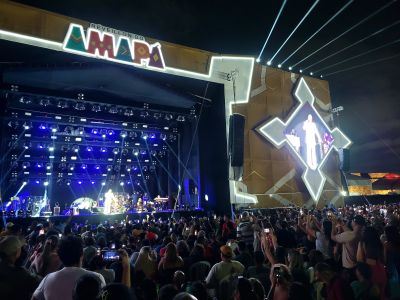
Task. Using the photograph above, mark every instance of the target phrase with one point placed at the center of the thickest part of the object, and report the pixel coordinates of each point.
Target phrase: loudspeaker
(236, 139)
(344, 159)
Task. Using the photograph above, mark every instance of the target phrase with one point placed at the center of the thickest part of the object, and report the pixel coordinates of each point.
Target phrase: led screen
(309, 136)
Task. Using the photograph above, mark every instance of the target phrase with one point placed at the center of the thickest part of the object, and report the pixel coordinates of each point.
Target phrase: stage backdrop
(274, 175)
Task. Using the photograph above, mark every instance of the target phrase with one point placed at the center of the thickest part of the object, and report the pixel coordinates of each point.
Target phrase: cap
(226, 251)
(10, 245)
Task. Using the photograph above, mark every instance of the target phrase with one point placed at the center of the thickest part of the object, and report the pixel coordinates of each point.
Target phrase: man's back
(16, 282)
(60, 285)
(223, 269)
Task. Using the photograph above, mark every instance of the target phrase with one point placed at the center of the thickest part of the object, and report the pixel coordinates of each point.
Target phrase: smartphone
(111, 227)
(110, 255)
(113, 246)
(266, 230)
(41, 231)
(60, 235)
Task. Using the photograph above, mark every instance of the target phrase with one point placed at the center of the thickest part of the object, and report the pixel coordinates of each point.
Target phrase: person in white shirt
(349, 240)
(60, 285)
(311, 139)
(224, 268)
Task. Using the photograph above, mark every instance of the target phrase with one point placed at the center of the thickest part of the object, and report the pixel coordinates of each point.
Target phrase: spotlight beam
(272, 29)
(180, 161)
(358, 55)
(348, 30)
(363, 65)
(316, 32)
(355, 43)
(155, 175)
(294, 30)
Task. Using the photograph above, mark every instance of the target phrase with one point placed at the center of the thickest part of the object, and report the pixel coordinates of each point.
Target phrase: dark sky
(369, 95)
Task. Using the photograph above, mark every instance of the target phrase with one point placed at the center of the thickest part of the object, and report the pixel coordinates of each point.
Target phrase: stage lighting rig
(123, 134)
(144, 135)
(113, 110)
(27, 125)
(103, 150)
(62, 104)
(25, 100)
(75, 148)
(45, 102)
(135, 151)
(71, 167)
(80, 106)
(128, 112)
(115, 151)
(96, 108)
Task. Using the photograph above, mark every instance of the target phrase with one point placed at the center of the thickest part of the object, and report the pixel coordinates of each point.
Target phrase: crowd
(278, 254)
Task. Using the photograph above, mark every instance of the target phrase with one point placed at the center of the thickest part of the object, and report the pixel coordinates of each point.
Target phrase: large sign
(308, 136)
(109, 46)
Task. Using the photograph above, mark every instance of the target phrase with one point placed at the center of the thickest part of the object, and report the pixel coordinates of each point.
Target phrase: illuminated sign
(308, 136)
(109, 46)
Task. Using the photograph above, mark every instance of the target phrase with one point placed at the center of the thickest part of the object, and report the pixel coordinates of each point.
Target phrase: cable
(355, 43)
(322, 27)
(365, 64)
(358, 55)
(294, 30)
(272, 28)
(348, 30)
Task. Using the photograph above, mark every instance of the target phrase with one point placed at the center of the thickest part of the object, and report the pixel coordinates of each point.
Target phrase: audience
(276, 254)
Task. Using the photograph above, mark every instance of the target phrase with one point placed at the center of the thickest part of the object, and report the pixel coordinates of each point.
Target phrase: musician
(108, 199)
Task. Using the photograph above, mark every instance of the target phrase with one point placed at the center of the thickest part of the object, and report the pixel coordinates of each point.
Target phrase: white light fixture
(311, 73)
(279, 66)
(343, 193)
(290, 68)
(269, 63)
(258, 59)
(301, 71)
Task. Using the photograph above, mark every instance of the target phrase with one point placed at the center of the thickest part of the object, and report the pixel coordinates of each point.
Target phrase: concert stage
(99, 218)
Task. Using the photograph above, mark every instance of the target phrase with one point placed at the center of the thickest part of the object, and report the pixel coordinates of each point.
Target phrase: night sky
(369, 95)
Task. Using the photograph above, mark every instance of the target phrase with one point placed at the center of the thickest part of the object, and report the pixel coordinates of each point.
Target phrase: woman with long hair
(322, 234)
(146, 262)
(170, 263)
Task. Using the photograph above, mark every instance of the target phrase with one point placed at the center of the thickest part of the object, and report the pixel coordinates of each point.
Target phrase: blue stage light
(27, 145)
(75, 148)
(84, 166)
(115, 151)
(37, 181)
(68, 182)
(152, 135)
(46, 183)
(97, 167)
(109, 168)
(144, 135)
(43, 126)
(89, 149)
(39, 165)
(103, 150)
(93, 182)
(48, 166)
(110, 132)
(95, 131)
(71, 167)
(41, 146)
(135, 151)
(79, 181)
(54, 128)
(163, 136)
(123, 134)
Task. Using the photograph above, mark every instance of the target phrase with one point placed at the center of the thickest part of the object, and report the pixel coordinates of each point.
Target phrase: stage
(99, 218)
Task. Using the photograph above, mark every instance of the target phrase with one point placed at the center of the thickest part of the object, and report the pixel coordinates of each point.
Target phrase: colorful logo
(108, 46)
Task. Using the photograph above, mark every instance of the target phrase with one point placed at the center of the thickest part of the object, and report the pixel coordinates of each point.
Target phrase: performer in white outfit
(108, 199)
(311, 140)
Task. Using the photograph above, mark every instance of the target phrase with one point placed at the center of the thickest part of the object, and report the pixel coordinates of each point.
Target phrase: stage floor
(98, 218)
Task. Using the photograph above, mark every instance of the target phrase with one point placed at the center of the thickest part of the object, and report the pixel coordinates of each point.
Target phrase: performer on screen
(312, 138)
(108, 199)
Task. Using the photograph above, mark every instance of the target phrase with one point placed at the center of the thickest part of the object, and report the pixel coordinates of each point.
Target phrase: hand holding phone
(110, 255)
